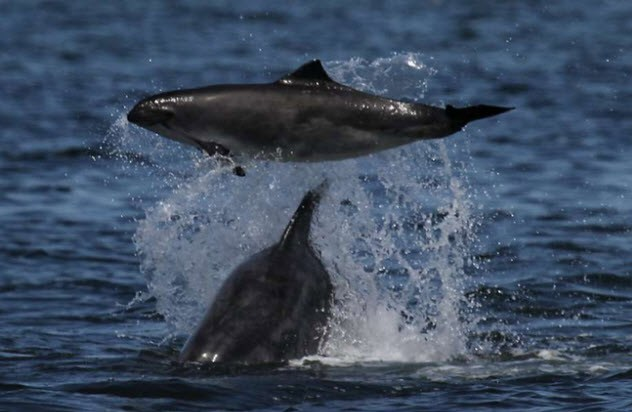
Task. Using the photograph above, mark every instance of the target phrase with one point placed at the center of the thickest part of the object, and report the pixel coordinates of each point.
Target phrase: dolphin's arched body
(304, 116)
(273, 307)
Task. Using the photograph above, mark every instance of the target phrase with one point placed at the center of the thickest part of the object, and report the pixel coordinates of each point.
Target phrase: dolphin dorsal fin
(297, 231)
(311, 72)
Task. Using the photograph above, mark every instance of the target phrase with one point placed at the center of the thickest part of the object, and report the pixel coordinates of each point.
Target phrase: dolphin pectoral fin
(223, 154)
(212, 148)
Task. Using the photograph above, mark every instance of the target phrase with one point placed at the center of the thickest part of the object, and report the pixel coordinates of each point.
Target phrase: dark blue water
(490, 270)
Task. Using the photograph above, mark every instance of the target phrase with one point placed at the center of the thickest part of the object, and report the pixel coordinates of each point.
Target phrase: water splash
(393, 230)
(406, 249)
(403, 75)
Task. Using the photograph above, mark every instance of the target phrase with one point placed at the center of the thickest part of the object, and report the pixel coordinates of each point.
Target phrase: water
(487, 270)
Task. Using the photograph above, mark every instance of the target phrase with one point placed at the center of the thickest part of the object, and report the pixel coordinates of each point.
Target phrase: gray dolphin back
(273, 307)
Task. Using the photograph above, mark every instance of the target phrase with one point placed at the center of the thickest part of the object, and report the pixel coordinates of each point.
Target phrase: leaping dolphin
(305, 116)
(273, 307)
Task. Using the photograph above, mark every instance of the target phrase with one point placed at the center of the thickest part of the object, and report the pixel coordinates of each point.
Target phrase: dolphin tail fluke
(462, 116)
(297, 231)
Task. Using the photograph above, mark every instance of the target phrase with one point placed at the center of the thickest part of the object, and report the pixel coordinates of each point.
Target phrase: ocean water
(488, 270)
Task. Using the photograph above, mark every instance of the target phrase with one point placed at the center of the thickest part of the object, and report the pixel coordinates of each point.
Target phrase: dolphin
(273, 307)
(304, 116)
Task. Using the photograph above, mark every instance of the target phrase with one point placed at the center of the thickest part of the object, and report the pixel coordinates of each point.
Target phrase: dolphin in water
(273, 307)
(303, 117)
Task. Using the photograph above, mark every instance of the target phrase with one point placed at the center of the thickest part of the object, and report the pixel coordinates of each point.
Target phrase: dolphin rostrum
(304, 116)
(273, 307)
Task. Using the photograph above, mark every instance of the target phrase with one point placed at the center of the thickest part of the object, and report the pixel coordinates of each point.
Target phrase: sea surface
(491, 270)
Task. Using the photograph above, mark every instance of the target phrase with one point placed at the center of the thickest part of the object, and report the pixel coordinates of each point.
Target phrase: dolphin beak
(146, 113)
